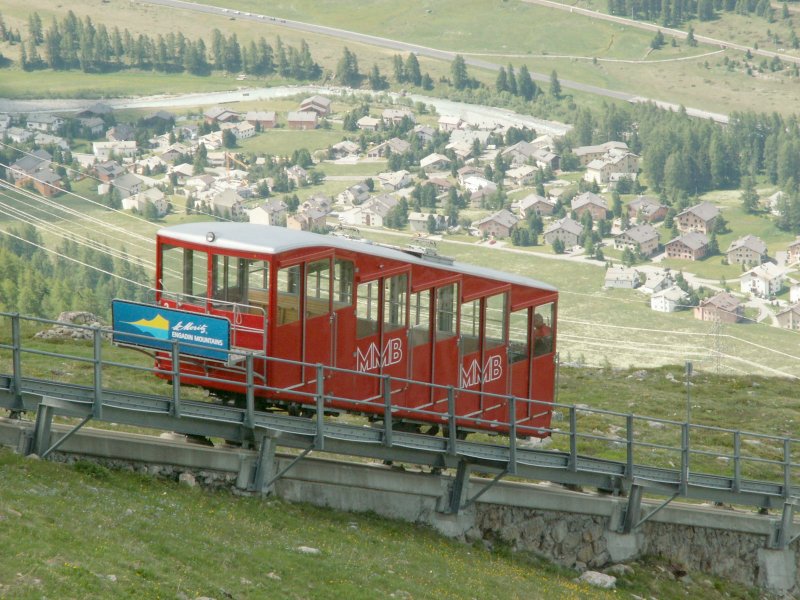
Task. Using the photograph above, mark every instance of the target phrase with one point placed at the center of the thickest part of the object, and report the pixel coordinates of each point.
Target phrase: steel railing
(701, 457)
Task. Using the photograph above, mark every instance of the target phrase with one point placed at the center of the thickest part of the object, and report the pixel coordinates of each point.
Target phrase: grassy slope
(86, 532)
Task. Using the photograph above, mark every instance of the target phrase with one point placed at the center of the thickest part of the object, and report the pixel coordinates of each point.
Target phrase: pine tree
(512, 81)
(527, 88)
(458, 71)
(412, 71)
(555, 85)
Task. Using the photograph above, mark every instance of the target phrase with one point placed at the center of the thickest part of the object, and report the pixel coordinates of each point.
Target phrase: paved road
(425, 50)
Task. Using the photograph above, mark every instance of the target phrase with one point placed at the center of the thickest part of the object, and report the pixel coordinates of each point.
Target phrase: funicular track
(264, 431)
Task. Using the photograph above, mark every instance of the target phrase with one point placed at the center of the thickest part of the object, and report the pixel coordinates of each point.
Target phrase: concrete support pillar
(623, 547)
(777, 570)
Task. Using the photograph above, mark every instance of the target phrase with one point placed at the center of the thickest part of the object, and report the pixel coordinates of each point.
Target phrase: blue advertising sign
(157, 327)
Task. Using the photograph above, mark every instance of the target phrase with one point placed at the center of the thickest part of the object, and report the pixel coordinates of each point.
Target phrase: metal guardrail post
(787, 468)
(16, 345)
(319, 442)
(387, 411)
(573, 439)
(451, 421)
(684, 458)
(176, 380)
(250, 416)
(512, 435)
(97, 405)
(629, 447)
(737, 461)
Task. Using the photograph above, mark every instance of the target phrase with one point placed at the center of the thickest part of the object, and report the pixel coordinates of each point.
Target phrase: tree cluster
(74, 43)
(517, 85)
(33, 283)
(672, 13)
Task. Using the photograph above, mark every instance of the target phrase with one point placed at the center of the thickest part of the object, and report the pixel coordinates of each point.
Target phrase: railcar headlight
(210, 237)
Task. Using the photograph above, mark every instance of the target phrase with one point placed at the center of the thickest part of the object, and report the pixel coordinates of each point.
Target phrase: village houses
(641, 238)
(567, 230)
(700, 217)
(747, 250)
(668, 300)
(723, 307)
(690, 246)
(592, 203)
(499, 225)
(764, 281)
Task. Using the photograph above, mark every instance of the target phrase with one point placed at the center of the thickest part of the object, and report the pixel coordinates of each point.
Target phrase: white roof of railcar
(265, 239)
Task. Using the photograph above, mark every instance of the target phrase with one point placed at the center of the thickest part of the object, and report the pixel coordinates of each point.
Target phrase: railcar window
(258, 283)
(470, 326)
(184, 272)
(494, 323)
(519, 349)
(367, 309)
(343, 276)
(543, 329)
(171, 270)
(229, 279)
(421, 318)
(288, 294)
(395, 298)
(446, 311)
(318, 288)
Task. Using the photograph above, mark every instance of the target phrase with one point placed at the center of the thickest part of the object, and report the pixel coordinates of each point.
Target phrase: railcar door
(494, 383)
(343, 328)
(287, 343)
(544, 368)
(317, 330)
(420, 349)
(483, 357)
(471, 365)
(446, 363)
(394, 333)
(519, 362)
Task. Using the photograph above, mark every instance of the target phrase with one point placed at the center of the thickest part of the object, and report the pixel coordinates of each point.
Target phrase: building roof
(672, 293)
(602, 148)
(766, 271)
(640, 233)
(694, 240)
(503, 217)
(433, 159)
(621, 274)
(723, 301)
(303, 116)
(567, 224)
(588, 198)
(749, 242)
(705, 211)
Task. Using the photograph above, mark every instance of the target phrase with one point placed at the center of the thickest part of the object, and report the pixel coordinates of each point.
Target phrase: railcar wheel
(460, 433)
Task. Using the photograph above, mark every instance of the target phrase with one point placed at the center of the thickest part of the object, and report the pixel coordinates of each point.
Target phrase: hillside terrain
(82, 531)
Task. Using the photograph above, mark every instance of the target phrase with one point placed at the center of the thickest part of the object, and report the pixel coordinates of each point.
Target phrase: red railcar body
(431, 334)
